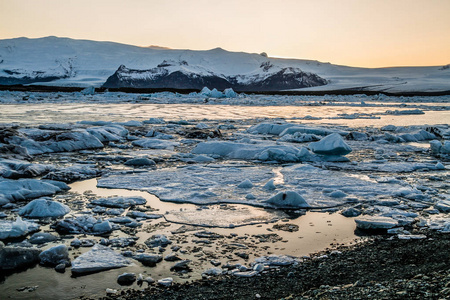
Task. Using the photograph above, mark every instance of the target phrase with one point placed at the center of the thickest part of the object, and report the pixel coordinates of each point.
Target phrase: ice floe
(224, 218)
(99, 258)
(26, 189)
(83, 224)
(41, 141)
(153, 143)
(253, 151)
(55, 255)
(119, 202)
(289, 199)
(375, 222)
(14, 169)
(44, 208)
(17, 228)
(332, 144)
(73, 173)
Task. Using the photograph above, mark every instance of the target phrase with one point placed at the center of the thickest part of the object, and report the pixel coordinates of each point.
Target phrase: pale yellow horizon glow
(363, 33)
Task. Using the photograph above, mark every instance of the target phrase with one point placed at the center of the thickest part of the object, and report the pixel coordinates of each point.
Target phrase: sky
(363, 33)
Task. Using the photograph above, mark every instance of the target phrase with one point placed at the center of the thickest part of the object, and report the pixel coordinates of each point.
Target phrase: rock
(55, 255)
(12, 258)
(149, 260)
(157, 241)
(181, 266)
(332, 144)
(374, 222)
(99, 258)
(172, 257)
(215, 263)
(242, 255)
(166, 281)
(289, 199)
(140, 162)
(44, 208)
(126, 278)
(61, 268)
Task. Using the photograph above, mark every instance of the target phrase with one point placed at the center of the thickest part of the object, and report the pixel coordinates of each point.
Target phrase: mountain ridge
(68, 62)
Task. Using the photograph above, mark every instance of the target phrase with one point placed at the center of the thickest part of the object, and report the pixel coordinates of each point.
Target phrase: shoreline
(381, 268)
(343, 92)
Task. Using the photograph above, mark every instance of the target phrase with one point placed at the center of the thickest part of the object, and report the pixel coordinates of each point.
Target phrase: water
(36, 114)
(316, 232)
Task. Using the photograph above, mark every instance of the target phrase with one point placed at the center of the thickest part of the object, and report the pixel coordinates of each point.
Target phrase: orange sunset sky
(366, 33)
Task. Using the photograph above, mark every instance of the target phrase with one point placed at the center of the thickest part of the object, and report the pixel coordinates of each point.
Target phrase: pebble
(126, 278)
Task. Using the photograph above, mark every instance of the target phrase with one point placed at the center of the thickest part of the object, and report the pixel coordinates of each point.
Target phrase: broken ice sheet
(225, 218)
(319, 186)
(197, 184)
(99, 258)
(213, 184)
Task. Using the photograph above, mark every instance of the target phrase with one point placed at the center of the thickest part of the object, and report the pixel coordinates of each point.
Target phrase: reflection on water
(34, 114)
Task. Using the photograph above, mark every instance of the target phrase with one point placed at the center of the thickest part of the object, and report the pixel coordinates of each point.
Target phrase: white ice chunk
(17, 228)
(155, 144)
(262, 151)
(289, 199)
(55, 255)
(374, 222)
(99, 258)
(25, 189)
(111, 133)
(246, 184)
(277, 260)
(120, 202)
(443, 206)
(332, 144)
(44, 208)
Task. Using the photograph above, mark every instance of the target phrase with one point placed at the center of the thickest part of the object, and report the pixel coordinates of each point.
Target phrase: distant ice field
(354, 111)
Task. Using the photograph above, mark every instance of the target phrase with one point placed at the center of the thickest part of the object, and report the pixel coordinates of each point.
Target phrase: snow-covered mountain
(182, 76)
(68, 62)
